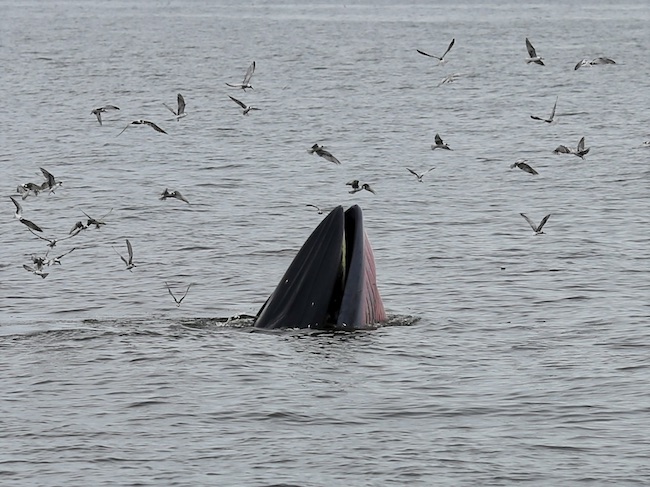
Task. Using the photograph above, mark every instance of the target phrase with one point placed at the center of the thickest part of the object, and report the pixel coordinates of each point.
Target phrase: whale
(331, 284)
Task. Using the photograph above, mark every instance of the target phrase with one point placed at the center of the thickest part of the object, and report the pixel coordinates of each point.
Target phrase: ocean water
(510, 358)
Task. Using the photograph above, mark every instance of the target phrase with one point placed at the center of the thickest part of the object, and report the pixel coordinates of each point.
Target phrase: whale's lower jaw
(331, 283)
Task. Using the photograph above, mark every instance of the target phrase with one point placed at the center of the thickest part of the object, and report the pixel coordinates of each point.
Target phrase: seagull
(532, 54)
(173, 194)
(420, 176)
(579, 151)
(536, 228)
(57, 260)
(592, 62)
(439, 144)
(98, 111)
(36, 271)
(180, 111)
(320, 212)
(19, 216)
(143, 122)
(320, 150)
(247, 108)
(356, 188)
(523, 165)
(178, 301)
(93, 221)
(247, 78)
(129, 263)
(50, 182)
(441, 59)
(25, 189)
(547, 120)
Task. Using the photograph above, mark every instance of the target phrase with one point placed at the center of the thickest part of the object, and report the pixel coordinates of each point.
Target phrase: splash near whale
(331, 283)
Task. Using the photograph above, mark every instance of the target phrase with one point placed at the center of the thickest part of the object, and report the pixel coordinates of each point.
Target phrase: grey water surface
(510, 358)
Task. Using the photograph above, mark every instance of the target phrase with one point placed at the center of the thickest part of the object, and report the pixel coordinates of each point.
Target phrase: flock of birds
(40, 263)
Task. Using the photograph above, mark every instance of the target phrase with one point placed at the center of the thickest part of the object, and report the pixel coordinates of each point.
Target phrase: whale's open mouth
(331, 282)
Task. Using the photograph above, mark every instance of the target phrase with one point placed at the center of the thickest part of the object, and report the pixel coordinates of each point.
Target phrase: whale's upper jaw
(331, 283)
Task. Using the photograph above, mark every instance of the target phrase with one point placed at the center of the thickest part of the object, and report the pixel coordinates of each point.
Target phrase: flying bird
(98, 111)
(177, 300)
(532, 54)
(439, 143)
(129, 262)
(57, 260)
(325, 154)
(536, 228)
(93, 221)
(320, 212)
(247, 108)
(547, 120)
(143, 122)
(441, 59)
(173, 194)
(180, 111)
(524, 166)
(19, 216)
(356, 188)
(579, 151)
(420, 176)
(26, 189)
(593, 62)
(247, 78)
(36, 270)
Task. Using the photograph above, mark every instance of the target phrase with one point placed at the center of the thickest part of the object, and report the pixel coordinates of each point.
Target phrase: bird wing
(530, 48)
(438, 140)
(530, 222)
(31, 225)
(19, 209)
(581, 145)
(328, 156)
(542, 223)
(553, 111)
(98, 114)
(562, 149)
(249, 73)
(154, 126)
(451, 44)
(130, 250)
(48, 176)
(413, 172)
(428, 171)
(603, 60)
(354, 183)
(368, 188)
(535, 117)
(240, 103)
(425, 54)
(127, 126)
(580, 64)
(172, 294)
(181, 105)
(186, 291)
(179, 196)
(170, 109)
